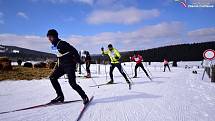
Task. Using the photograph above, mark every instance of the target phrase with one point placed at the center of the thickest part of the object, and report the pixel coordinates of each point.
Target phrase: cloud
(23, 15)
(90, 2)
(203, 34)
(25, 41)
(123, 16)
(147, 37)
(166, 33)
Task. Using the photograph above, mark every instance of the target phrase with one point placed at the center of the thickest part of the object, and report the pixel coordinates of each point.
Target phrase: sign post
(209, 55)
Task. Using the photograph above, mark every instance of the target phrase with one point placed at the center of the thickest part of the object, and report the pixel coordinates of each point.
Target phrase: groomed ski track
(179, 95)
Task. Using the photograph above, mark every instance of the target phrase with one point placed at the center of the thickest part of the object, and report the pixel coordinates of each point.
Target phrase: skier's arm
(141, 58)
(104, 52)
(117, 54)
(70, 50)
(88, 59)
(132, 58)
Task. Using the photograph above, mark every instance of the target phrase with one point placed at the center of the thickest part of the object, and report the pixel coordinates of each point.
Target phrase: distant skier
(88, 62)
(166, 64)
(114, 56)
(67, 59)
(138, 59)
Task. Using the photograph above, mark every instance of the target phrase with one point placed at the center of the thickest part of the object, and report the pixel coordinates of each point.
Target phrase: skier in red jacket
(166, 64)
(138, 59)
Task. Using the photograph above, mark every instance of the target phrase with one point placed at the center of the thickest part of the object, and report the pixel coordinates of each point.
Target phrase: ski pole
(148, 70)
(132, 68)
(91, 78)
(127, 75)
(106, 71)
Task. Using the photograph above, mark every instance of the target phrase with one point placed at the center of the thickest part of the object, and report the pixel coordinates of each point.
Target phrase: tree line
(181, 52)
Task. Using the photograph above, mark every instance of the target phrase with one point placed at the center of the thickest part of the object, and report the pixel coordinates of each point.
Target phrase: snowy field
(179, 95)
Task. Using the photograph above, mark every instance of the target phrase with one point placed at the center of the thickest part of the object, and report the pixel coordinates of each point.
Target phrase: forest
(181, 52)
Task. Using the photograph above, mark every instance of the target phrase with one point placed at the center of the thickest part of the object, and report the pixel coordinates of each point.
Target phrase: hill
(15, 53)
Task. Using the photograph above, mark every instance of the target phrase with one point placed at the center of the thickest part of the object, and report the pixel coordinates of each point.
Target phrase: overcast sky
(91, 24)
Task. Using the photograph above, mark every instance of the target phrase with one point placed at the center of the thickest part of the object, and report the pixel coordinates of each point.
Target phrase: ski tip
(91, 98)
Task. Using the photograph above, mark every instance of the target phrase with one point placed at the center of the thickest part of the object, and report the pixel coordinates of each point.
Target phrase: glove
(117, 57)
(102, 49)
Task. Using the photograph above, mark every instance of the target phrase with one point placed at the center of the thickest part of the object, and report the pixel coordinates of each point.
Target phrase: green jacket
(114, 55)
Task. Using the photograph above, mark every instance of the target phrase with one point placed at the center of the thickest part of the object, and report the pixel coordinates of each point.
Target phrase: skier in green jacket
(114, 56)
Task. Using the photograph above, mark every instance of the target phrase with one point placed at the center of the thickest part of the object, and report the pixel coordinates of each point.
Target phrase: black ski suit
(119, 66)
(88, 62)
(166, 65)
(66, 65)
(140, 65)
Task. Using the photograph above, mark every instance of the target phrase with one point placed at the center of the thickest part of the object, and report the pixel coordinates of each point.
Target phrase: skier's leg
(164, 68)
(135, 70)
(70, 70)
(88, 69)
(119, 66)
(111, 71)
(57, 73)
(141, 65)
(168, 67)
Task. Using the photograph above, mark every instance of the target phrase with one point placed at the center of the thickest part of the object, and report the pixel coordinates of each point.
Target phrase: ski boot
(135, 77)
(58, 99)
(85, 100)
(129, 84)
(110, 82)
(88, 75)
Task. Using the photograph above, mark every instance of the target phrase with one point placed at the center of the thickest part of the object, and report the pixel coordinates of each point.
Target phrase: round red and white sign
(209, 54)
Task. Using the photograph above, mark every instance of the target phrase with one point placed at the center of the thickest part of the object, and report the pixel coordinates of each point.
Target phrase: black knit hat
(110, 46)
(52, 32)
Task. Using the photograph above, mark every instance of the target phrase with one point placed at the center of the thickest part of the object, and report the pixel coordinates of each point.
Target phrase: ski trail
(173, 102)
(171, 96)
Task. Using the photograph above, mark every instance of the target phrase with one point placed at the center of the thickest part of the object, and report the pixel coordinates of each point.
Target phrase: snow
(179, 95)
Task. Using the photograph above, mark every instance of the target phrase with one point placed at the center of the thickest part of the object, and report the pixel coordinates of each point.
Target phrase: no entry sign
(209, 54)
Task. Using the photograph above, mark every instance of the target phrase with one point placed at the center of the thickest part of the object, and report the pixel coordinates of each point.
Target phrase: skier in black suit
(67, 59)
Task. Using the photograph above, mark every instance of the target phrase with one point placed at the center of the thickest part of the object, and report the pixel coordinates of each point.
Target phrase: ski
(39, 106)
(84, 77)
(103, 84)
(84, 109)
(135, 77)
(141, 77)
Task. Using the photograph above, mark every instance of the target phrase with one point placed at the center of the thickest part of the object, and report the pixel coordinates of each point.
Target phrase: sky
(91, 24)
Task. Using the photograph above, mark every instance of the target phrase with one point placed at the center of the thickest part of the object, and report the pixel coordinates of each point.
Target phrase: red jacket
(165, 62)
(137, 59)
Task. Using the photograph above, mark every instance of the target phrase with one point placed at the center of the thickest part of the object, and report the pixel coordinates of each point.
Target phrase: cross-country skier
(138, 59)
(67, 59)
(166, 64)
(88, 62)
(114, 56)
